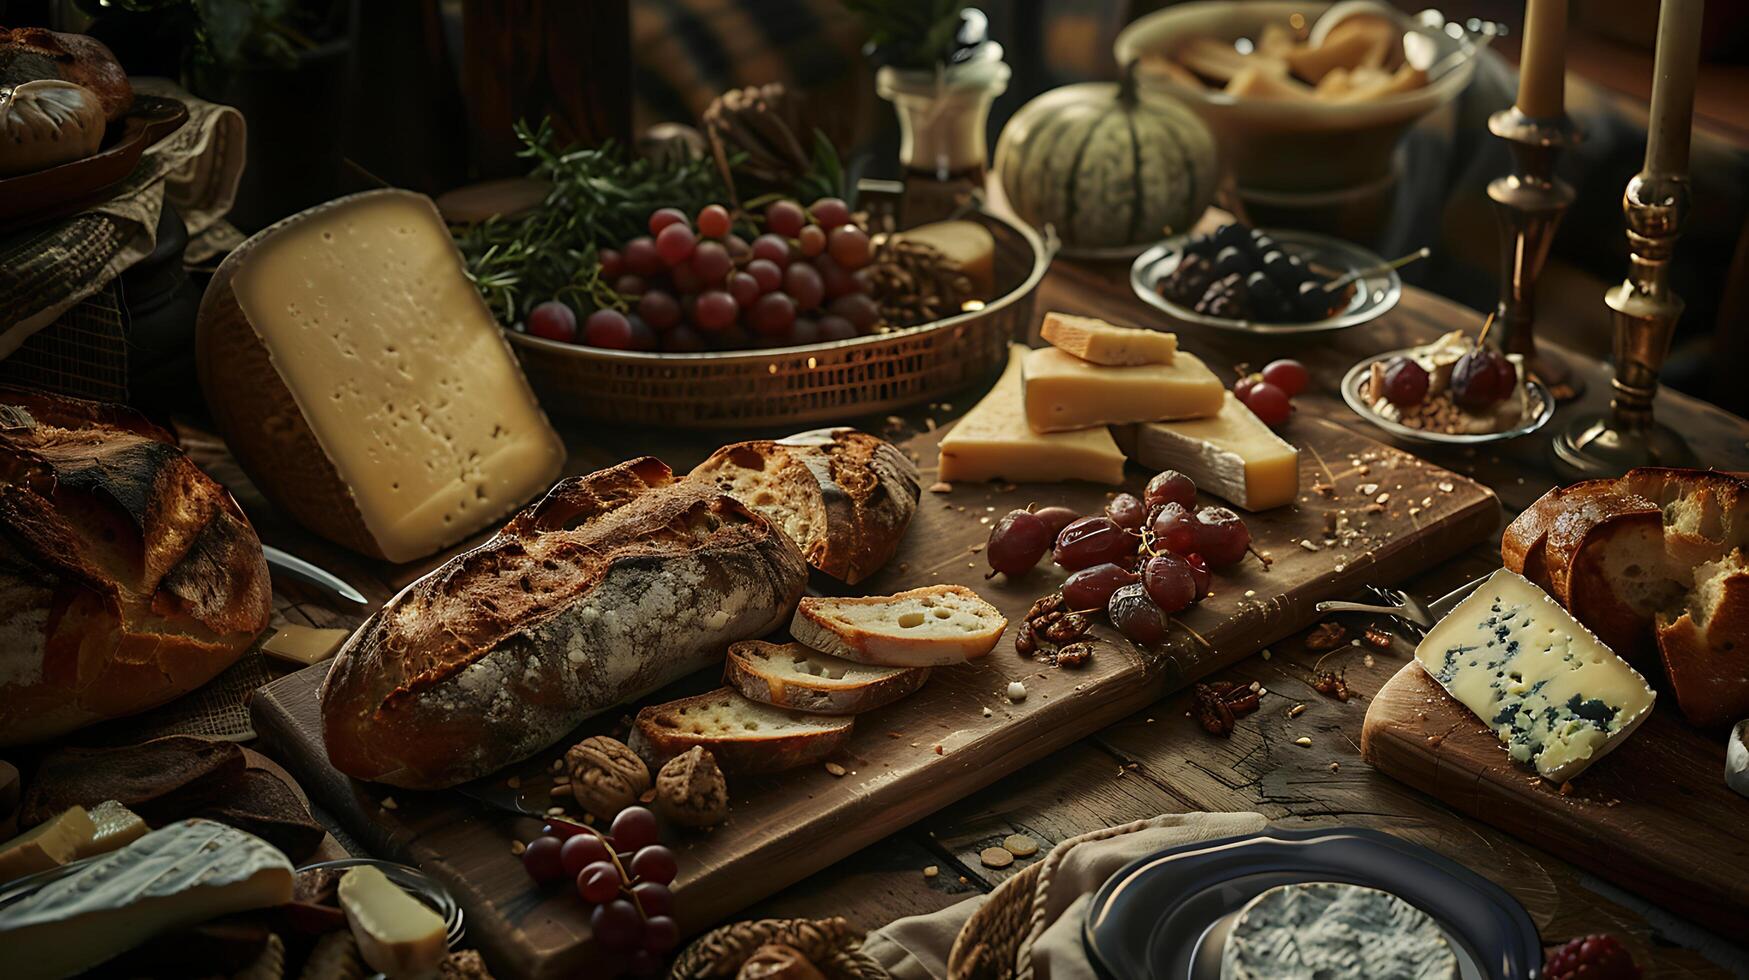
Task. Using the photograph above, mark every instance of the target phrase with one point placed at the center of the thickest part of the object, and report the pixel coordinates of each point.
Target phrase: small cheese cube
(1094, 340)
(993, 441)
(304, 644)
(1232, 455)
(1064, 392)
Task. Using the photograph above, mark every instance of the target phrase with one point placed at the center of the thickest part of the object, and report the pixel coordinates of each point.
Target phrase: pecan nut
(606, 775)
(690, 790)
(1045, 605)
(1075, 655)
(1065, 627)
(1377, 637)
(1211, 710)
(1326, 636)
(1025, 643)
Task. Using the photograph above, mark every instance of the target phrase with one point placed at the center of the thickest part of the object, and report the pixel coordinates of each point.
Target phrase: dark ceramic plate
(74, 186)
(1166, 917)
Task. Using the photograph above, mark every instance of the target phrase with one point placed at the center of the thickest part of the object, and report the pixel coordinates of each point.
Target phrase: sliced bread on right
(933, 626)
(744, 735)
(789, 675)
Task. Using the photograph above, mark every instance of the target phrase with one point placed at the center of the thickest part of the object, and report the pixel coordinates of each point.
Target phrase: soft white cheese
(1331, 931)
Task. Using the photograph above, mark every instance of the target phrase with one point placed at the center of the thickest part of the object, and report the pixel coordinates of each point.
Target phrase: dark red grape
(1136, 616)
(674, 243)
(1289, 375)
(711, 263)
(785, 218)
(713, 221)
(663, 217)
(1481, 379)
(654, 863)
(1056, 518)
(643, 963)
(1222, 537)
(630, 285)
(715, 310)
(1017, 542)
(811, 240)
(1127, 510)
(553, 320)
(580, 851)
(1405, 382)
(830, 212)
(612, 263)
(1269, 403)
(641, 335)
(1093, 541)
(1169, 582)
(766, 273)
(1170, 487)
(562, 829)
(642, 259)
(744, 288)
(848, 246)
(685, 281)
(805, 330)
(836, 328)
(608, 328)
(837, 279)
(541, 859)
(1242, 387)
(659, 309)
(1200, 574)
(682, 340)
(617, 925)
(1090, 589)
(772, 315)
(738, 248)
(661, 934)
(802, 281)
(1175, 530)
(634, 828)
(859, 308)
(598, 882)
(773, 249)
(654, 899)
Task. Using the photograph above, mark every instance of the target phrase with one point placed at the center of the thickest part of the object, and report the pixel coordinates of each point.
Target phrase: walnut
(690, 790)
(776, 962)
(606, 775)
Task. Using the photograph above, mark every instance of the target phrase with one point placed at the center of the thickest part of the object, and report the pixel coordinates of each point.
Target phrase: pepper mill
(1530, 203)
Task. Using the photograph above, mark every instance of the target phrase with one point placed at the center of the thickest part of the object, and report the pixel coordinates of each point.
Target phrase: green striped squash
(1106, 169)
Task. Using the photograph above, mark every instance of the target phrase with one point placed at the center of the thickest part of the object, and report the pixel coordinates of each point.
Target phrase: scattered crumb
(1335, 766)
(1020, 845)
(647, 796)
(964, 880)
(513, 782)
(389, 803)
(995, 857)
(835, 769)
(558, 765)
(931, 871)
(940, 751)
(988, 712)
(1296, 711)
(1266, 654)
(1567, 788)
(555, 811)
(1304, 742)
(517, 847)
(1016, 691)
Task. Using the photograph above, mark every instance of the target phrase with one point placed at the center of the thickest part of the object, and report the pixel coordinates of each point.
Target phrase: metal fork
(1403, 606)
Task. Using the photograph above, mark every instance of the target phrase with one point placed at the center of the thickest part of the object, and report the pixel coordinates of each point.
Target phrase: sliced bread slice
(743, 735)
(790, 675)
(934, 626)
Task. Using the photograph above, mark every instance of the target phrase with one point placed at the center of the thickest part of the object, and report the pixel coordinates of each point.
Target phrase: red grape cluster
(1142, 560)
(625, 874)
(1269, 393)
(696, 284)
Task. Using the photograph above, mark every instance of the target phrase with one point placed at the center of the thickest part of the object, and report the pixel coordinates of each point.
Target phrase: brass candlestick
(1644, 311)
(1529, 203)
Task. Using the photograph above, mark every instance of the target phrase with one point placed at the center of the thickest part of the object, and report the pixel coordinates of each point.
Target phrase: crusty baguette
(611, 586)
(845, 497)
(790, 675)
(744, 736)
(933, 626)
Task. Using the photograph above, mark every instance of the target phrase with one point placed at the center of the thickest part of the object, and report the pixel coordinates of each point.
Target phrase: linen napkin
(917, 947)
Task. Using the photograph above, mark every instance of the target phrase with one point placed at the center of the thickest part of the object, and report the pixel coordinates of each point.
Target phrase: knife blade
(297, 569)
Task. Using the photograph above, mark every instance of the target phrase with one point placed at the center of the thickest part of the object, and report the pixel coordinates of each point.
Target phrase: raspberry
(1591, 958)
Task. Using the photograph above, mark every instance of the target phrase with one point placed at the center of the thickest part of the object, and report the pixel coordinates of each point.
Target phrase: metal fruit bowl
(1374, 293)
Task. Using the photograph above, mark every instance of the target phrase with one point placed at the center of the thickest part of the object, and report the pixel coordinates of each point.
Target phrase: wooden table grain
(1158, 760)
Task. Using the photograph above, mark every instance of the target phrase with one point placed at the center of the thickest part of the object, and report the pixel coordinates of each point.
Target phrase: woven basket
(812, 383)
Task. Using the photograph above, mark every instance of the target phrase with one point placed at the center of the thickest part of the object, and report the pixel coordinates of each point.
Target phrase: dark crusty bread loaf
(845, 497)
(611, 586)
(30, 53)
(127, 576)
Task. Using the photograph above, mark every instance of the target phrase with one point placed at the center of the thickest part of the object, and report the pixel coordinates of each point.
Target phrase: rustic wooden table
(1158, 760)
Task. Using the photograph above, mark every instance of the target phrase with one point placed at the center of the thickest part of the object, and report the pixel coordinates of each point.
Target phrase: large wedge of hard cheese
(1232, 455)
(178, 876)
(362, 383)
(1064, 392)
(993, 441)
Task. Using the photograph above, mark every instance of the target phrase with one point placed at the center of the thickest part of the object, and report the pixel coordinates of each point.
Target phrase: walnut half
(606, 775)
(690, 790)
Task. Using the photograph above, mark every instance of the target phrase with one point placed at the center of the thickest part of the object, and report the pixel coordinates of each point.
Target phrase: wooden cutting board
(958, 734)
(1654, 816)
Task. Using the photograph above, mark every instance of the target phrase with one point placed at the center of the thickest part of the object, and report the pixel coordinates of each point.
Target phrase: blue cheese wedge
(1331, 931)
(1551, 691)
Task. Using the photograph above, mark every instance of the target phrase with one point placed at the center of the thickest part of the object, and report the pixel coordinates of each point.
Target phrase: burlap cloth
(1029, 928)
(47, 269)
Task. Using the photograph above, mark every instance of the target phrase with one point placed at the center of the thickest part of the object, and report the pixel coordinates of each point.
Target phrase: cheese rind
(1064, 392)
(363, 383)
(1097, 342)
(1232, 455)
(1551, 691)
(993, 441)
(177, 876)
(1328, 930)
(397, 934)
(50, 844)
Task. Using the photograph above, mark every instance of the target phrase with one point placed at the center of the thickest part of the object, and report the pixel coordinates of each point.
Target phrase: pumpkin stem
(1126, 87)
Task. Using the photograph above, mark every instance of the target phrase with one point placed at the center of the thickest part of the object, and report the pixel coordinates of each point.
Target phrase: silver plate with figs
(1539, 408)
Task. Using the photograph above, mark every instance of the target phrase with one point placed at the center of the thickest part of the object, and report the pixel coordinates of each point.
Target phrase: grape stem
(625, 878)
(1267, 561)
